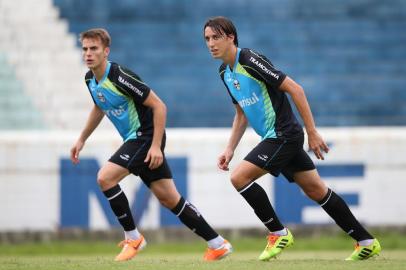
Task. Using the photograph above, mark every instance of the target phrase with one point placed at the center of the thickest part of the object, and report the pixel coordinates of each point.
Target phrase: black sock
(338, 210)
(256, 196)
(189, 216)
(119, 204)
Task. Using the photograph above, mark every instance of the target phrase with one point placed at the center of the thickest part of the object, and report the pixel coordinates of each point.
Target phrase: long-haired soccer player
(258, 91)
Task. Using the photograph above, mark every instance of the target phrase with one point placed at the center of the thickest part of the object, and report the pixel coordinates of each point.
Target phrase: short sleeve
(261, 68)
(132, 85)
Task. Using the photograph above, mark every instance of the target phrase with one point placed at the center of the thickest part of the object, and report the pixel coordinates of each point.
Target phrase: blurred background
(350, 57)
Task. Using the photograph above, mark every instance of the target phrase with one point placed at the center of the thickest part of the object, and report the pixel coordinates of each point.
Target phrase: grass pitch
(306, 253)
(297, 260)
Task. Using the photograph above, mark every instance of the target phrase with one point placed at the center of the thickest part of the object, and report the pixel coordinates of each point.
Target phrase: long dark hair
(222, 26)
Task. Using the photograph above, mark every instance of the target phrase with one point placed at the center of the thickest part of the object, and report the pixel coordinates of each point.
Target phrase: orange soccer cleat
(218, 253)
(130, 248)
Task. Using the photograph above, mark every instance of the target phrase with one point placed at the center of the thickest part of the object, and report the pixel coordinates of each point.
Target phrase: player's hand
(224, 159)
(154, 157)
(317, 144)
(75, 150)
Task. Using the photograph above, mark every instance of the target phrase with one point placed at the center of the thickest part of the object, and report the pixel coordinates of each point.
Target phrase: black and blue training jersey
(120, 95)
(253, 84)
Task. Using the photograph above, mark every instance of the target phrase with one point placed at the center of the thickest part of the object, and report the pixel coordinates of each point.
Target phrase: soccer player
(139, 116)
(258, 91)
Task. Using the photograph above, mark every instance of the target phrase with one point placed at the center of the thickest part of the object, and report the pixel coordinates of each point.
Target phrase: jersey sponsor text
(129, 85)
(248, 101)
(261, 66)
(115, 112)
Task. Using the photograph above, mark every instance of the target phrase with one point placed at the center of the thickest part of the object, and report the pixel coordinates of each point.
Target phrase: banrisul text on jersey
(253, 84)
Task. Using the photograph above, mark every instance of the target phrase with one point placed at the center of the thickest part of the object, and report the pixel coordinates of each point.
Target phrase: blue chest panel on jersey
(253, 98)
(114, 104)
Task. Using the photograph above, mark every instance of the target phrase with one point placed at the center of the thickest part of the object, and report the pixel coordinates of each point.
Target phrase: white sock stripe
(181, 210)
(247, 187)
(270, 220)
(122, 216)
(115, 195)
(329, 196)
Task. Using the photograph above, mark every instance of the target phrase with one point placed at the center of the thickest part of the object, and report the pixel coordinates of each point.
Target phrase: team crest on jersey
(236, 84)
(101, 97)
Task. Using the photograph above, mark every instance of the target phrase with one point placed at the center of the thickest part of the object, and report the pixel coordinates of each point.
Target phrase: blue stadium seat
(349, 55)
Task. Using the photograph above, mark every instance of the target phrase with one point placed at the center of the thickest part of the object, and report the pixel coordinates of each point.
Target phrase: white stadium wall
(41, 190)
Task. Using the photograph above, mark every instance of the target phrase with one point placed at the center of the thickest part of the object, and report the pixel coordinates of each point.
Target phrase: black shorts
(281, 155)
(131, 155)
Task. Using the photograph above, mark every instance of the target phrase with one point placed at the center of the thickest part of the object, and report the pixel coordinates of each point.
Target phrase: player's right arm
(239, 125)
(94, 119)
(316, 142)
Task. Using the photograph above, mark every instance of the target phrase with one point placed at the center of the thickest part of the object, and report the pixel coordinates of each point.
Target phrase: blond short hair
(97, 33)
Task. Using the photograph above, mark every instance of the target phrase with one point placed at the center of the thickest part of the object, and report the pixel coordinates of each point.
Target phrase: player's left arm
(261, 68)
(316, 142)
(155, 155)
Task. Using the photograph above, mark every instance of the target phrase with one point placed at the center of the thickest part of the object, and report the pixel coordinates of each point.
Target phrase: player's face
(94, 53)
(218, 45)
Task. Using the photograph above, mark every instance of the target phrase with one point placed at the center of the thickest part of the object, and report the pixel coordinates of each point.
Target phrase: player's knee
(168, 201)
(238, 181)
(103, 182)
(315, 193)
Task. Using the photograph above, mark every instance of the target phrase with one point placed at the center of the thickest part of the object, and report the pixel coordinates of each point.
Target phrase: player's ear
(106, 51)
(231, 37)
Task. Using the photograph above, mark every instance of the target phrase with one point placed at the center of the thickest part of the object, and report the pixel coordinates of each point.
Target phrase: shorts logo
(263, 157)
(125, 157)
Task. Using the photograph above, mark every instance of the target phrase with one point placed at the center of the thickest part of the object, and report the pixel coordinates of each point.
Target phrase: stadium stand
(47, 66)
(16, 110)
(348, 55)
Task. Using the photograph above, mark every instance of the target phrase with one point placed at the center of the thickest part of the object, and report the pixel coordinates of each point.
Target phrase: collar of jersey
(237, 57)
(104, 76)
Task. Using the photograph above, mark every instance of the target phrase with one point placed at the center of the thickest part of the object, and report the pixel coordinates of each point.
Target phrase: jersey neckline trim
(237, 58)
(106, 73)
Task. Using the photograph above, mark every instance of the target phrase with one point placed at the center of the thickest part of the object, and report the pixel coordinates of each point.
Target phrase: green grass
(297, 260)
(307, 253)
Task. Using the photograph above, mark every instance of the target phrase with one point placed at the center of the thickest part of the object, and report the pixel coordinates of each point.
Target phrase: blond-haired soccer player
(139, 116)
